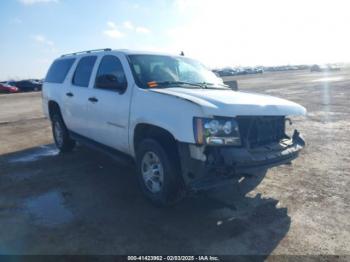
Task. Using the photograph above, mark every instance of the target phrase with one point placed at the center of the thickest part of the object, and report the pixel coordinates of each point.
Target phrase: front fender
(168, 112)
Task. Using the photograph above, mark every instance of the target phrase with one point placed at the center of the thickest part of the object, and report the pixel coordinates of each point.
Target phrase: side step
(116, 155)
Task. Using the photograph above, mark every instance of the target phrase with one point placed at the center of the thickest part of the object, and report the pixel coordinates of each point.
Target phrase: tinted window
(111, 68)
(83, 72)
(59, 70)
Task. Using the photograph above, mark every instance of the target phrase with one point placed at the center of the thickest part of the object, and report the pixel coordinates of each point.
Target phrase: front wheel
(158, 174)
(61, 135)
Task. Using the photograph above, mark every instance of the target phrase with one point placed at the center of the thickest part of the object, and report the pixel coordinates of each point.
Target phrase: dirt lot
(84, 203)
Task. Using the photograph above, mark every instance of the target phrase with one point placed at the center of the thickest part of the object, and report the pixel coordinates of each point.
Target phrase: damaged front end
(263, 144)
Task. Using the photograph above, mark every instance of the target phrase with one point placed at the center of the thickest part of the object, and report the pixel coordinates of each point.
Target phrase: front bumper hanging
(203, 168)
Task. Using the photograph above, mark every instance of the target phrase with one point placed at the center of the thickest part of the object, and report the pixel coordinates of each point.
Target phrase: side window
(110, 75)
(59, 70)
(83, 71)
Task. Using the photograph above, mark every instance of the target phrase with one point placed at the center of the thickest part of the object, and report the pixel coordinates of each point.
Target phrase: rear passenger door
(109, 105)
(77, 94)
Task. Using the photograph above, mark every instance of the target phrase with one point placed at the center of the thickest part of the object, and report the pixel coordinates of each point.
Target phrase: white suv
(183, 127)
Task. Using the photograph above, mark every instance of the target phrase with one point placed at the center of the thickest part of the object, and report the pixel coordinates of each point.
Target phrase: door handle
(93, 99)
(69, 94)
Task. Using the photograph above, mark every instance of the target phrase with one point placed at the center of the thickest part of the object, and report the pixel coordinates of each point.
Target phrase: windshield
(169, 71)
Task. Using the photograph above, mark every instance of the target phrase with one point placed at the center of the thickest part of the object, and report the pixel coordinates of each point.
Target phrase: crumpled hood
(220, 102)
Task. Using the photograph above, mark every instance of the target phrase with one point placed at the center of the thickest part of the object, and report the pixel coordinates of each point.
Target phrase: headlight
(212, 126)
(218, 131)
(227, 128)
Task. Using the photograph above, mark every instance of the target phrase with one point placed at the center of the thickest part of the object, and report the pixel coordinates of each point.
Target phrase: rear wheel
(61, 135)
(158, 174)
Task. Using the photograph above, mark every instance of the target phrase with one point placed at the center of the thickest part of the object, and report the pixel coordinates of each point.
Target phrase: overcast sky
(219, 33)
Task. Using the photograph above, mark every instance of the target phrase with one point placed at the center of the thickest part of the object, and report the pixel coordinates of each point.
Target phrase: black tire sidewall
(67, 144)
(172, 186)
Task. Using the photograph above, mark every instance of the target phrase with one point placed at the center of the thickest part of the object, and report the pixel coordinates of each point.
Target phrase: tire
(167, 185)
(61, 135)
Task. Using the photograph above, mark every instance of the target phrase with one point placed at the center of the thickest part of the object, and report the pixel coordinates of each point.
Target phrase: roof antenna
(182, 53)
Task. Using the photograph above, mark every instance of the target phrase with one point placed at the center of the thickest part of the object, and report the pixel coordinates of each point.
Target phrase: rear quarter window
(59, 70)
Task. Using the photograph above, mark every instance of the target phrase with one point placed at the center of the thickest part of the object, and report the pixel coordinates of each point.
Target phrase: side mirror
(109, 82)
(232, 84)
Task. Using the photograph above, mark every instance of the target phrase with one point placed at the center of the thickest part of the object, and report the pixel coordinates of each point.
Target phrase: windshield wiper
(175, 83)
(208, 85)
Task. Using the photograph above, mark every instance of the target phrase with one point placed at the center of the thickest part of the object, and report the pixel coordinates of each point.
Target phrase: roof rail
(88, 52)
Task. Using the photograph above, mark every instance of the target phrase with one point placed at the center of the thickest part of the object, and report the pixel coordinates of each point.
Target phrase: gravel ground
(84, 203)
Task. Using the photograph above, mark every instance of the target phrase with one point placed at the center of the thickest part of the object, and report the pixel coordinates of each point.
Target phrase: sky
(217, 32)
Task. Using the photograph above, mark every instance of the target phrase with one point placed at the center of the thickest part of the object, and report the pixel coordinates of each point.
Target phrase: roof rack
(87, 52)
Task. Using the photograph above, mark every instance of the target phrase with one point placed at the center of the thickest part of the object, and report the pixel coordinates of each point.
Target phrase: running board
(116, 155)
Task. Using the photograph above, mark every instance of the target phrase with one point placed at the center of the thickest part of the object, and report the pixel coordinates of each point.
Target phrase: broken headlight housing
(216, 131)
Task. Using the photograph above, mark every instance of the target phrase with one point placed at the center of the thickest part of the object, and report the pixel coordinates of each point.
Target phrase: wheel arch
(53, 108)
(160, 134)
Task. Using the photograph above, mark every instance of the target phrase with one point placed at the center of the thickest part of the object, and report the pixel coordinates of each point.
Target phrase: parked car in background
(241, 71)
(238, 71)
(29, 85)
(6, 87)
(303, 67)
(324, 68)
(226, 72)
(250, 70)
(333, 68)
(259, 70)
(318, 68)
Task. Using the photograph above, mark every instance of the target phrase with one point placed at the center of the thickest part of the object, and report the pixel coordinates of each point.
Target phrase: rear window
(59, 70)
